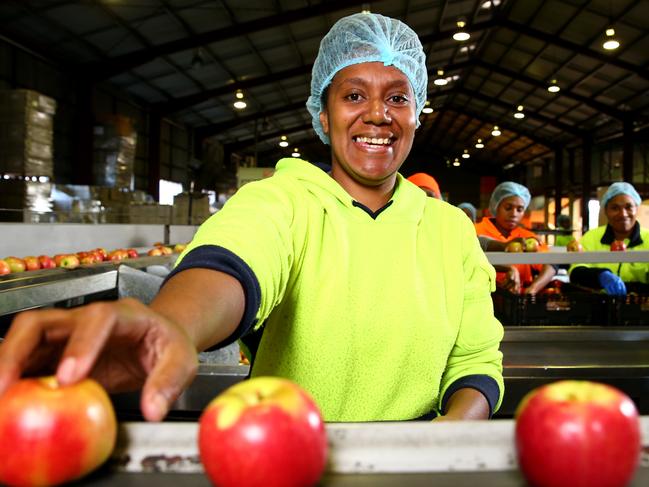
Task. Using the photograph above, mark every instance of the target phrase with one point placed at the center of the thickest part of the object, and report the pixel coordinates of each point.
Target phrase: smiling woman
(352, 283)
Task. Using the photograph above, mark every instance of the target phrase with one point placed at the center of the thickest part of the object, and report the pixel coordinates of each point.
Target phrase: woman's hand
(512, 280)
(124, 345)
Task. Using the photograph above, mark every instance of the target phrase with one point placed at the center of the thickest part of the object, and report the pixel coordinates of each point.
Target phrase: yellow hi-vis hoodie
(377, 316)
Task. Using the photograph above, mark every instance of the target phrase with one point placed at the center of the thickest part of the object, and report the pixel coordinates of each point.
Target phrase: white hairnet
(505, 190)
(366, 38)
(617, 189)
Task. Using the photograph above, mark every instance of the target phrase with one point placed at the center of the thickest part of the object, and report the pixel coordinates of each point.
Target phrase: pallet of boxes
(26, 155)
(190, 208)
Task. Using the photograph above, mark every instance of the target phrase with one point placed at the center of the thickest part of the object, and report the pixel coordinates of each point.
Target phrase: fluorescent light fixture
(610, 43)
(461, 34)
(427, 108)
(519, 112)
(479, 144)
(283, 142)
(496, 131)
(466, 154)
(296, 153)
(456, 162)
(440, 81)
(554, 87)
(239, 104)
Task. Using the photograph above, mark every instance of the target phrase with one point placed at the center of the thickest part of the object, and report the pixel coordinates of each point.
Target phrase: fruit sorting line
(564, 257)
(379, 454)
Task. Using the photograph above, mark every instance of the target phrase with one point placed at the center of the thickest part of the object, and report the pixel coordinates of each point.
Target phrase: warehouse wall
(21, 69)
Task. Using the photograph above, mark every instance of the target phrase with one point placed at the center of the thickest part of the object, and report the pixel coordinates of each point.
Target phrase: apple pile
(50, 434)
(574, 246)
(263, 432)
(530, 244)
(162, 249)
(577, 434)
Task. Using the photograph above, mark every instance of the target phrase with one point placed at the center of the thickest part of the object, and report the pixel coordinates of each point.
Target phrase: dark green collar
(634, 238)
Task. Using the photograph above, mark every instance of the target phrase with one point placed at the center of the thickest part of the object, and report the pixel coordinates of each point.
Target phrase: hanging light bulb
(239, 104)
(461, 34)
(456, 162)
(554, 87)
(610, 42)
(365, 8)
(496, 131)
(295, 153)
(427, 108)
(283, 141)
(440, 81)
(479, 144)
(466, 154)
(519, 112)
(197, 59)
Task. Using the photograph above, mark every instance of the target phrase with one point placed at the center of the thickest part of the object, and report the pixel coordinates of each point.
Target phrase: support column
(587, 152)
(558, 180)
(82, 171)
(153, 187)
(627, 151)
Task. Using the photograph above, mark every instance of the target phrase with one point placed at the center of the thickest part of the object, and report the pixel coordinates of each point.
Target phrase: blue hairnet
(366, 38)
(470, 208)
(505, 190)
(617, 189)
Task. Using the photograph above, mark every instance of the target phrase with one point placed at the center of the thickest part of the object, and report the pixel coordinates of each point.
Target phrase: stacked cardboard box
(200, 209)
(25, 201)
(114, 153)
(26, 133)
(149, 213)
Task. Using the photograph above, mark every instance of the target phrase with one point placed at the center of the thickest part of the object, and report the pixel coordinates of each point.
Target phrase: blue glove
(612, 284)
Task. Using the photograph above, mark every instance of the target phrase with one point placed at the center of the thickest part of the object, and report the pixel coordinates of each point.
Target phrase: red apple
(618, 246)
(15, 264)
(31, 263)
(88, 259)
(101, 251)
(574, 246)
(577, 433)
(70, 261)
(166, 250)
(155, 251)
(514, 247)
(263, 432)
(117, 255)
(50, 434)
(132, 253)
(4, 268)
(46, 262)
(531, 245)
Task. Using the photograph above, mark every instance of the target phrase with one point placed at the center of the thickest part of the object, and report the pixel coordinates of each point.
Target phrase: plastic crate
(632, 309)
(569, 306)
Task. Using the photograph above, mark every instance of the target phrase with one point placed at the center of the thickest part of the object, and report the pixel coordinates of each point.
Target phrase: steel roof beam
(131, 60)
(272, 135)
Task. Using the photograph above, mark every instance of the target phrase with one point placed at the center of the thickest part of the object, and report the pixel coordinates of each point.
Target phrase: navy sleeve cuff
(482, 383)
(221, 259)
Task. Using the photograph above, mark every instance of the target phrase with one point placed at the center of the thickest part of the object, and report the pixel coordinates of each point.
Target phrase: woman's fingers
(172, 372)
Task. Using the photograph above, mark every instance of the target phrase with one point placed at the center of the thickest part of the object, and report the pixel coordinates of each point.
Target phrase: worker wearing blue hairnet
(371, 296)
(620, 205)
(507, 204)
(470, 210)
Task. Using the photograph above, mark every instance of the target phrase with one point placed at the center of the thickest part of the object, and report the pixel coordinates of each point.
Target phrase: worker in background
(370, 295)
(565, 237)
(470, 210)
(427, 183)
(620, 204)
(508, 203)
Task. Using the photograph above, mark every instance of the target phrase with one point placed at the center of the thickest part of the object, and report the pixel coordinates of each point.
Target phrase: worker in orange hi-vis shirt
(508, 203)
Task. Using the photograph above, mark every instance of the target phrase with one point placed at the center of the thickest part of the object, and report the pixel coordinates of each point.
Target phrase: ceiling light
(461, 34)
(610, 42)
(554, 87)
(479, 144)
(197, 59)
(466, 154)
(440, 81)
(496, 131)
(490, 3)
(427, 108)
(239, 104)
(283, 142)
(365, 8)
(519, 112)
(456, 162)
(295, 153)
